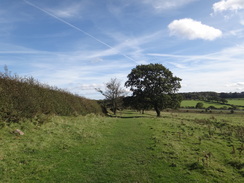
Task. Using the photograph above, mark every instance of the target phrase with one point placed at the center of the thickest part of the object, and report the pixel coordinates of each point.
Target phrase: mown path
(123, 153)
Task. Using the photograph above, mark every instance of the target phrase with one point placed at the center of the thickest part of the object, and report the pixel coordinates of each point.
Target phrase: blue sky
(80, 45)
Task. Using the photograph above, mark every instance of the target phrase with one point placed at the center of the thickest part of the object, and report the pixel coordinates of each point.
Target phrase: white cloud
(232, 5)
(90, 86)
(191, 29)
(239, 84)
(167, 4)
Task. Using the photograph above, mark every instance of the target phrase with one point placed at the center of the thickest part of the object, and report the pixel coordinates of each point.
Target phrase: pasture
(178, 147)
(238, 101)
(192, 104)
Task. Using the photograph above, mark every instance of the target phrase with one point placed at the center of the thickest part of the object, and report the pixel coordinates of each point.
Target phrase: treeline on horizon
(24, 98)
(211, 96)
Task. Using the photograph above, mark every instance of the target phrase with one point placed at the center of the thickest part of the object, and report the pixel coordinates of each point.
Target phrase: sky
(79, 45)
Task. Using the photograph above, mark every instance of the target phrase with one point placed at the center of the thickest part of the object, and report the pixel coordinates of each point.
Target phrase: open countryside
(75, 141)
(123, 91)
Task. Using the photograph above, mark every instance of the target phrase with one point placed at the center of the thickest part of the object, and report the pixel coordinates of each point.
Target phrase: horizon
(80, 45)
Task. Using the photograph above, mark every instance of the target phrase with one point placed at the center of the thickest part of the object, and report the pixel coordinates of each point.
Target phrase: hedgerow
(26, 98)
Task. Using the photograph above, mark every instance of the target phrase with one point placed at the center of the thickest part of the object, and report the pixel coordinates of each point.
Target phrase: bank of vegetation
(24, 98)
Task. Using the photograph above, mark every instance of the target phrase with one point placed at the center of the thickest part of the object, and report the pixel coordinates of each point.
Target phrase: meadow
(238, 101)
(177, 147)
(192, 103)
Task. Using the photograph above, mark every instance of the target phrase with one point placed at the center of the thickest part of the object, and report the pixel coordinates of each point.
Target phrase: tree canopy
(155, 84)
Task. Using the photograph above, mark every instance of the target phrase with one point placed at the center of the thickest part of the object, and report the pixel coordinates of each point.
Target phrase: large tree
(113, 93)
(155, 84)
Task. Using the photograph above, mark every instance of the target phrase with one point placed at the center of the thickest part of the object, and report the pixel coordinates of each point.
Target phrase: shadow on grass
(124, 116)
(133, 116)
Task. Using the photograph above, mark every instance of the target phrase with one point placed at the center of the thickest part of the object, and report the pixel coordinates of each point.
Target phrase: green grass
(192, 103)
(239, 102)
(134, 148)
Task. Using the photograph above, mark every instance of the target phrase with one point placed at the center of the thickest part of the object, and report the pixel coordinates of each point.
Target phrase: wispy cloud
(76, 28)
(16, 49)
(203, 72)
(161, 5)
(231, 5)
(230, 54)
(239, 33)
(69, 10)
(191, 29)
(81, 78)
(230, 9)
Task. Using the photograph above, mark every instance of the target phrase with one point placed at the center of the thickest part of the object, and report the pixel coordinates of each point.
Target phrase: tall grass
(26, 98)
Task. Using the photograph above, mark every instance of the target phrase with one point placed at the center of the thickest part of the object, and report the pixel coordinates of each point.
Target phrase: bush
(199, 105)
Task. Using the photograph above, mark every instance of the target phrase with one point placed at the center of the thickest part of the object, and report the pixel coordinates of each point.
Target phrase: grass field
(178, 147)
(192, 103)
(239, 101)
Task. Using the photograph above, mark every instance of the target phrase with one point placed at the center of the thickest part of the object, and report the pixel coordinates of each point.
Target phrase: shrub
(199, 105)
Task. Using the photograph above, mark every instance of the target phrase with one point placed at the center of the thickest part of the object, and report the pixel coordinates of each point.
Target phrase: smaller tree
(113, 93)
(199, 105)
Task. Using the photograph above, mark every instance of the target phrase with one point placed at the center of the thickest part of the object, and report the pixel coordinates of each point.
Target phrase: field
(178, 147)
(239, 101)
(192, 103)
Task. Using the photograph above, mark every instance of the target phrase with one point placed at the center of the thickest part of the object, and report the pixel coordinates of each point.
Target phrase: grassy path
(124, 153)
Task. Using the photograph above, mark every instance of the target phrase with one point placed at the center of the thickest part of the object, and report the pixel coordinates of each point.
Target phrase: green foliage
(155, 85)
(25, 98)
(199, 105)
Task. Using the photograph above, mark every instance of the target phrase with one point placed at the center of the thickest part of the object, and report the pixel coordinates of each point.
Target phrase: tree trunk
(114, 110)
(114, 107)
(157, 111)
